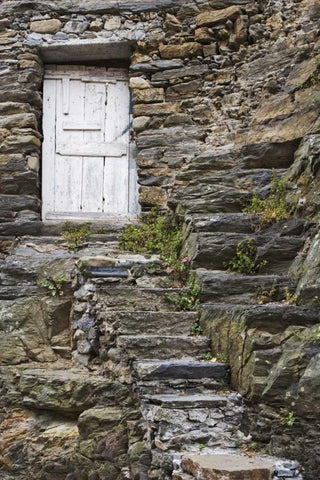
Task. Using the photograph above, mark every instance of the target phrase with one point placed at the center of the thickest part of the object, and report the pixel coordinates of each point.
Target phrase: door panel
(86, 152)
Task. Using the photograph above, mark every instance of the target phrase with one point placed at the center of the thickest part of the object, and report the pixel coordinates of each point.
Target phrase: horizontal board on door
(111, 149)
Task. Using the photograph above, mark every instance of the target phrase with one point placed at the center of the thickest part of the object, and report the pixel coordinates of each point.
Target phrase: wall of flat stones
(204, 74)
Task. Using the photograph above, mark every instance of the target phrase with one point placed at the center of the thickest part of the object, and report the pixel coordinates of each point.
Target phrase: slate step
(272, 318)
(228, 467)
(214, 250)
(245, 224)
(180, 369)
(222, 287)
(134, 298)
(187, 401)
(143, 347)
(222, 222)
(145, 323)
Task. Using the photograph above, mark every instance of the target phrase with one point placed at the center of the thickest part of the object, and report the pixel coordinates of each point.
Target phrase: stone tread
(172, 323)
(228, 466)
(188, 401)
(180, 369)
(143, 347)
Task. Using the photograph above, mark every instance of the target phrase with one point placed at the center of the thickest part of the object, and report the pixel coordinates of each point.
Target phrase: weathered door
(87, 172)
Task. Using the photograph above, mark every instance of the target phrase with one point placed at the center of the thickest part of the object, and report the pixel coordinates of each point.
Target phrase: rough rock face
(223, 92)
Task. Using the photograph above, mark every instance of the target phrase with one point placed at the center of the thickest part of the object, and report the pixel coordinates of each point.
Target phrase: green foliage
(289, 420)
(196, 330)
(274, 208)
(154, 234)
(266, 296)
(207, 356)
(201, 446)
(74, 235)
(188, 298)
(222, 358)
(244, 260)
(311, 337)
(290, 298)
(54, 285)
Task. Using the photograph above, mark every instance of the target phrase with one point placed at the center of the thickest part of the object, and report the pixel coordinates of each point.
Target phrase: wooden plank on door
(116, 186)
(48, 146)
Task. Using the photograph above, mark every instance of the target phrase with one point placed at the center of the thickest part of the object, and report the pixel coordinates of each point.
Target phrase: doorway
(87, 170)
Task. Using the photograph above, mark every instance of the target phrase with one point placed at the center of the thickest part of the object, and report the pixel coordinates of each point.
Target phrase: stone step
(228, 467)
(145, 323)
(245, 223)
(180, 369)
(143, 347)
(220, 287)
(188, 401)
(215, 250)
(132, 298)
(222, 222)
(272, 318)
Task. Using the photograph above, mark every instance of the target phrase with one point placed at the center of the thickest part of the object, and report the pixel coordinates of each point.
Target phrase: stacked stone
(285, 469)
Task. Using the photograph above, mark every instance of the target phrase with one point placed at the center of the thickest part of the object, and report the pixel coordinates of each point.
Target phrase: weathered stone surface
(149, 347)
(190, 49)
(70, 392)
(148, 95)
(157, 370)
(214, 17)
(156, 109)
(218, 467)
(46, 26)
(98, 419)
(130, 323)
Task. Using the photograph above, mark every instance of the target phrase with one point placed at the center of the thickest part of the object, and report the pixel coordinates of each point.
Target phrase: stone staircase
(192, 418)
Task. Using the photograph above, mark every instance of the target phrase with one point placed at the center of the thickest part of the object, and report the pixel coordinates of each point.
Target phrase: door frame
(48, 153)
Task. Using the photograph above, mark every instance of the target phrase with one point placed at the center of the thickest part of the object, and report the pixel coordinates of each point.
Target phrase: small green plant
(54, 285)
(244, 260)
(274, 208)
(188, 297)
(289, 420)
(196, 330)
(207, 356)
(74, 235)
(222, 358)
(154, 233)
(201, 446)
(266, 296)
(290, 298)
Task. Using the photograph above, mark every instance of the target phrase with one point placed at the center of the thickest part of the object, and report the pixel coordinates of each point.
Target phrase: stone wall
(203, 75)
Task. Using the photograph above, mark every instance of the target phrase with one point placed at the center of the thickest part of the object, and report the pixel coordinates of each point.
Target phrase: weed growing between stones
(196, 330)
(159, 234)
(54, 285)
(244, 260)
(266, 296)
(290, 298)
(289, 420)
(74, 235)
(274, 208)
(188, 297)
(207, 356)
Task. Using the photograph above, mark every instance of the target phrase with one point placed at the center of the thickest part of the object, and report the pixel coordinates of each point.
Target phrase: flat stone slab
(180, 370)
(188, 401)
(228, 467)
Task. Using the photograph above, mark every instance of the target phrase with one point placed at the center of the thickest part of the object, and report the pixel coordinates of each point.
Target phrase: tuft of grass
(154, 233)
(244, 260)
(188, 298)
(75, 236)
(207, 356)
(274, 208)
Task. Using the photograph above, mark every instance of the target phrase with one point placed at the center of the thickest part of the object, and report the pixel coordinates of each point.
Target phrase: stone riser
(157, 347)
(215, 250)
(221, 287)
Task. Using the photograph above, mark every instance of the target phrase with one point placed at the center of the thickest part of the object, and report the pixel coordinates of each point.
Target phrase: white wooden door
(87, 171)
